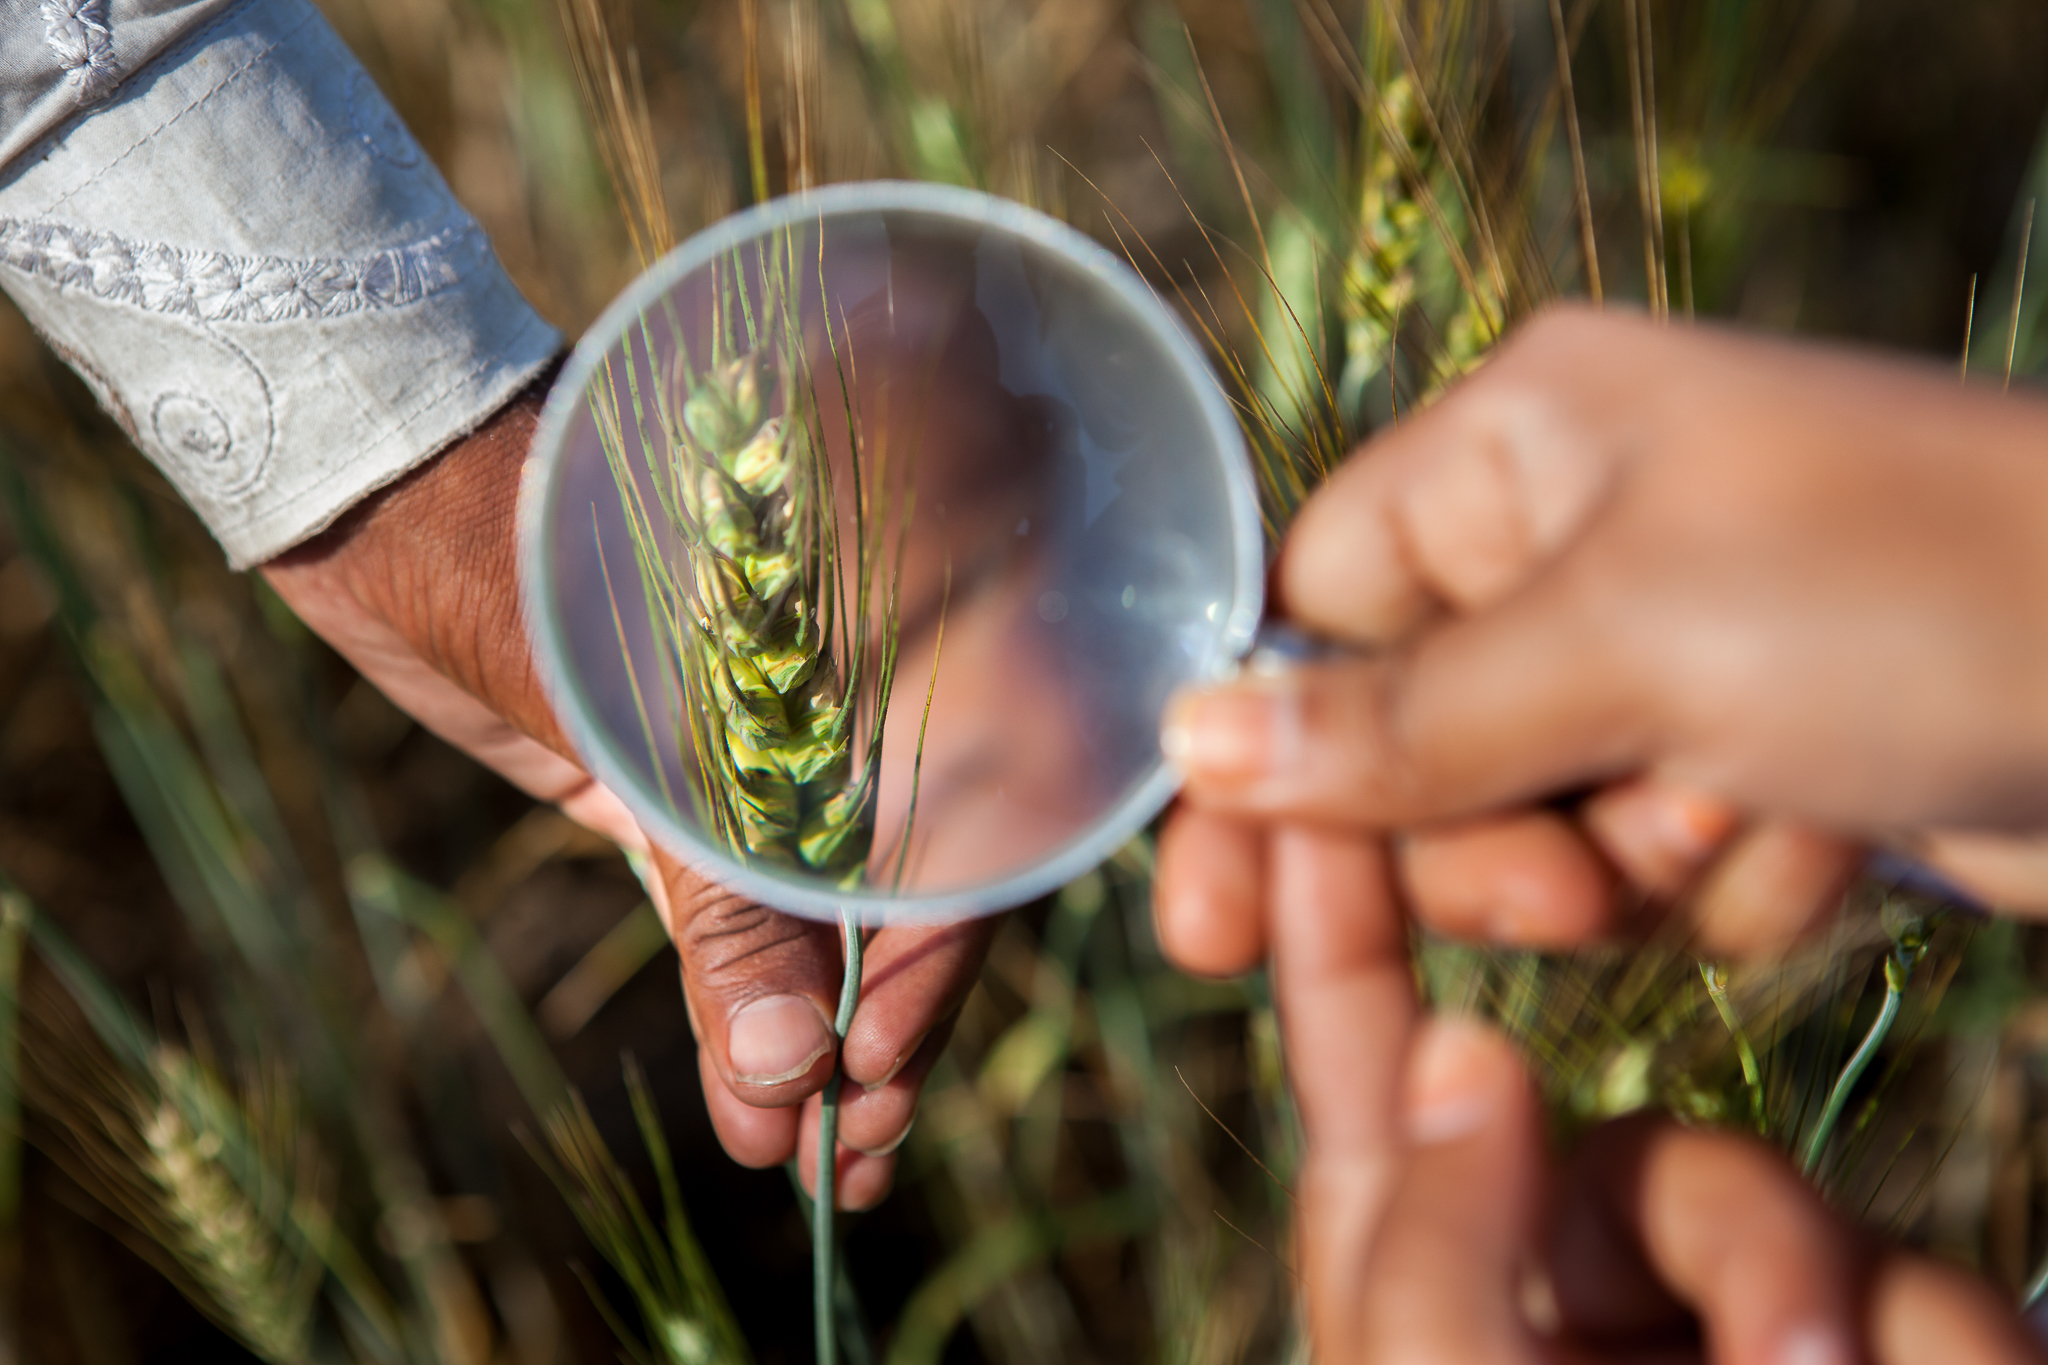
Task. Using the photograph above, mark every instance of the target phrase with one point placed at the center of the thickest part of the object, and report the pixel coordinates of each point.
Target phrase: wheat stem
(1895, 971)
(1752, 1075)
(824, 1239)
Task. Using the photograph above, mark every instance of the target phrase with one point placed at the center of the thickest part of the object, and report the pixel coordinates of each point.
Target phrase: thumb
(1526, 698)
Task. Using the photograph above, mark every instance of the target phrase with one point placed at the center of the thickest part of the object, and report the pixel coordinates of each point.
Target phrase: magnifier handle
(1281, 648)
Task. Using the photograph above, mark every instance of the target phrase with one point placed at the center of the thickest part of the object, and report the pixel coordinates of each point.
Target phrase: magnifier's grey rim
(537, 505)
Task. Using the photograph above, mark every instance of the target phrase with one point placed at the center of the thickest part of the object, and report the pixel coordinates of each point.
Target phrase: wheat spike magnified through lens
(772, 589)
(777, 635)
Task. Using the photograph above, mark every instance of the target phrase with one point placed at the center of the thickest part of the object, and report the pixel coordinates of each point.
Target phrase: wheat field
(293, 999)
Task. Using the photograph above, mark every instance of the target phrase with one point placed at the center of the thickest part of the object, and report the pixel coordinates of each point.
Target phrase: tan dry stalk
(1589, 249)
(245, 1247)
(617, 99)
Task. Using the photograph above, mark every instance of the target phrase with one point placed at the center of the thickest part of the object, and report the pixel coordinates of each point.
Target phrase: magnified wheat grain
(778, 632)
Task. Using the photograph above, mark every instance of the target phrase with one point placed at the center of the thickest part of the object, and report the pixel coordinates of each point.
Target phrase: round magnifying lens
(867, 535)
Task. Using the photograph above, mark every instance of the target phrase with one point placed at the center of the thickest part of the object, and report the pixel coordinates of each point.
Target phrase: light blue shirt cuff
(247, 256)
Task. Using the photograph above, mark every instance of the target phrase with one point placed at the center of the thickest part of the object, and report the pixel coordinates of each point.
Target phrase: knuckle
(1358, 712)
(722, 935)
(1563, 327)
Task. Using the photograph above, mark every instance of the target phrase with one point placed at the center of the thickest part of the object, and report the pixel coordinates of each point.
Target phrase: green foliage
(1350, 209)
(679, 1300)
(261, 1198)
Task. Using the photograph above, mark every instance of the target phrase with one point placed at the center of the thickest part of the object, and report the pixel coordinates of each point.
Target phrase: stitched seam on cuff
(178, 52)
(535, 328)
(281, 534)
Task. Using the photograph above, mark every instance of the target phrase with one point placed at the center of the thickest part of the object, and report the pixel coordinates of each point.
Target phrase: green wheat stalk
(1909, 945)
(1715, 977)
(663, 1266)
(777, 629)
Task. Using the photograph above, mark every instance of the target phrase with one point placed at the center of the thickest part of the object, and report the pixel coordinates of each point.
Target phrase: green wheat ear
(765, 618)
(760, 646)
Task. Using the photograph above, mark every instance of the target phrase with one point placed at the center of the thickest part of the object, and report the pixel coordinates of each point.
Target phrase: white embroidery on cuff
(80, 33)
(217, 287)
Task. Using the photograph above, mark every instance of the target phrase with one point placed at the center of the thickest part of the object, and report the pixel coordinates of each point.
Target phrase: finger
(761, 988)
(1443, 1279)
(1341, 973)
(1777, 883)
(1921, 1311)
(859, 1181)
(596, 807)
(1456, 505)
(914, 978)
(1538, 695)
(1528, 879)
(1771, 1273)
(875, 1119)
(1659, 836)
(1206, 893)
(2006, 871)
(751, 1136)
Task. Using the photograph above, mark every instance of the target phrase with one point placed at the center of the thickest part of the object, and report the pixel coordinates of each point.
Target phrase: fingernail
(902, 1059)
(776, 1039)
(1812, 1344)
(1228, 734)
(893, 1143)
(1689, 826)
(1451, 1090)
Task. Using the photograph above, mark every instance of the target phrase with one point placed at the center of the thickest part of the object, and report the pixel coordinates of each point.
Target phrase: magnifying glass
(869, 532)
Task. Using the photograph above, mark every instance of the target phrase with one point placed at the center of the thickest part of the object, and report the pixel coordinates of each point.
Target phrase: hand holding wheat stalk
(771, 593)
(778, 652)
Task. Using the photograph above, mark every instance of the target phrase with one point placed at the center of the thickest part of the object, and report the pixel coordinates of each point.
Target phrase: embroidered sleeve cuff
(248, 258)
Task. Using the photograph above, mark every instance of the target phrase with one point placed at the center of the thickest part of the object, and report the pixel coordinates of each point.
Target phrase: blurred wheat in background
(311, 1032)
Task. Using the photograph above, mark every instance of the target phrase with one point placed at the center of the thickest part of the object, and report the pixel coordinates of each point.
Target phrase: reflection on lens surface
(1038, 508)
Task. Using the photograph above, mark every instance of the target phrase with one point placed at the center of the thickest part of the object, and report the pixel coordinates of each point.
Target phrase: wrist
(430, 560)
